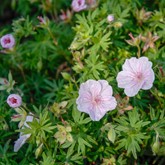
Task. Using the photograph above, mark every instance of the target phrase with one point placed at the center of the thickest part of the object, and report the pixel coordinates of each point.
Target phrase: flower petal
(133, 90)
(106, 89)
(83, 104)
(95, 88)
(130, 65)
(150, 77)
(125, 79)
(109, 104)
(97, 113)
(144, 64)
(20, 142)
(28, 119)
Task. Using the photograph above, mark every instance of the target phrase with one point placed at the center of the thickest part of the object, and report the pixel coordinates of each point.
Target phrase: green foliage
(52, 57)
(5, 156)
(112, 134)
(47, 159)
(7, 84)
(23, 27)
(89, 33)
(130, 132)
(39, 128)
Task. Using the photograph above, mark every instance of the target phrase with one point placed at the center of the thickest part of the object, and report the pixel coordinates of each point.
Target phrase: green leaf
(66, 144)
(104, 42)
(76, 115)
(85, 121)
(91, 139)
(76, 157)
(81, 146)
(3, 87)
(71, 149)
(133, 117)
(82, 143)
(112, 135)
(66, 76)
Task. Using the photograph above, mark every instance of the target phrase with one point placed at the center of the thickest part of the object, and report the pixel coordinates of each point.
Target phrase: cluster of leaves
(52, 58)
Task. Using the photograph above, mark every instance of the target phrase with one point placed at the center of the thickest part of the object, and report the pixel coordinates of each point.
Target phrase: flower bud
(16, 117)
(155, 147)
(118, 24)
(66, 15)
(3, 81)
(69, 137)
(68, 129)
(39, 150)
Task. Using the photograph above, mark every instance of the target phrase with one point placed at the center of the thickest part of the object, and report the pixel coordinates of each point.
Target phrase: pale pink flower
(137, 74)
(110, 18)
(78, 5)
(7, 41)
(95, 98)
(14, 100)
(23, 138)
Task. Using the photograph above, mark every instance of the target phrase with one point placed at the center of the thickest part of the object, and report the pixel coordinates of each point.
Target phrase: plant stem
(51, 34)
(138, 53)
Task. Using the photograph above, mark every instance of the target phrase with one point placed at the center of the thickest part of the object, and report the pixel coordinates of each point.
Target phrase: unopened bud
(110, 18)
(39, 150)
(155, 147)
(118, 24)
(16, 117)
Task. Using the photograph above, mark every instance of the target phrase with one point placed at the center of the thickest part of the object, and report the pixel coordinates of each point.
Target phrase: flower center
(97, 100)
(139, 77)
(13, 100)
(79, 2)
(7, 41)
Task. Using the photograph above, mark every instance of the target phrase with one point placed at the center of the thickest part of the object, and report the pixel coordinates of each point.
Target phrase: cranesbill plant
(83, 83)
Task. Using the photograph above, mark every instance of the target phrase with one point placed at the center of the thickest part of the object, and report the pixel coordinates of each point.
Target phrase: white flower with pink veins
(78, 5)
(95, 98)
(14, 100)
(7, 41)
(137, 74)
